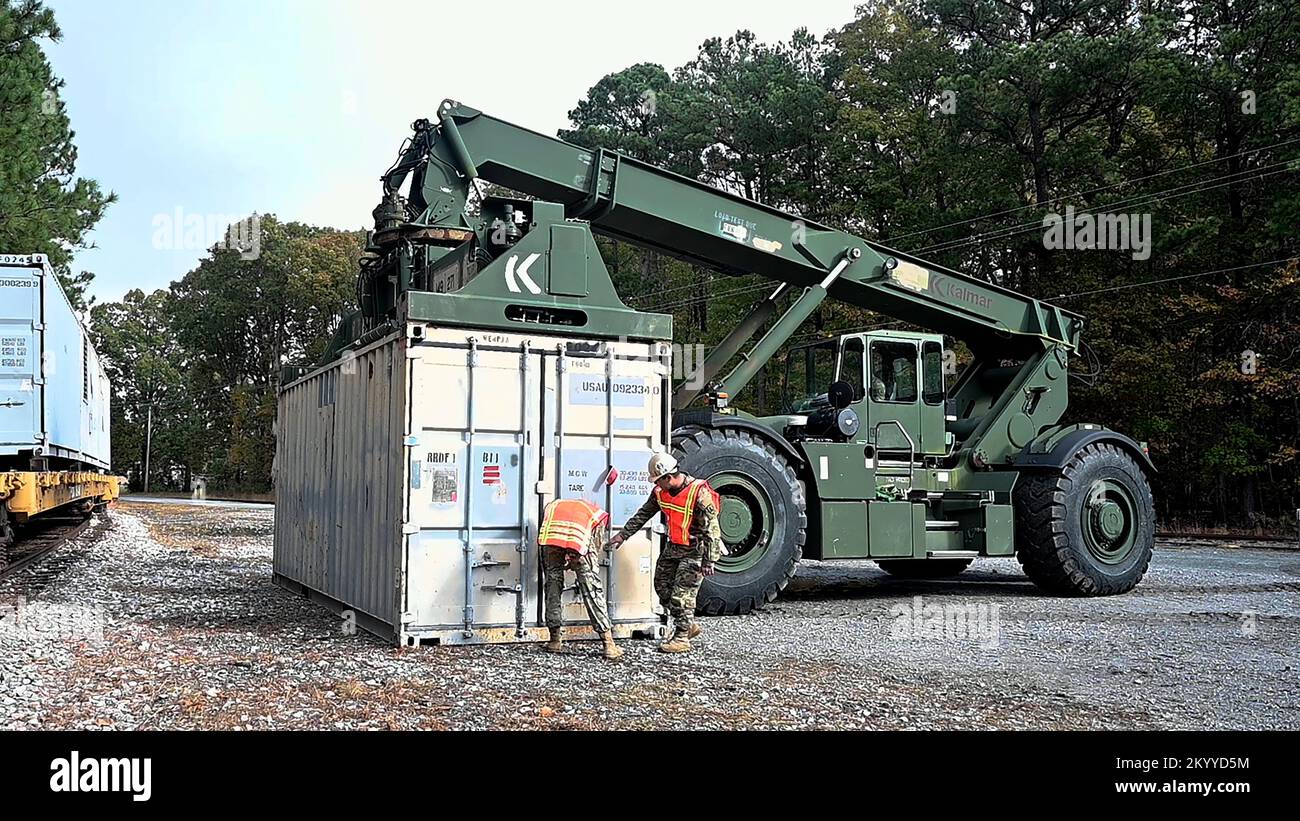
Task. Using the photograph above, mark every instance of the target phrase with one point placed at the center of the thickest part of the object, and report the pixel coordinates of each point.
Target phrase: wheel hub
(1110, 521)
(745, 520)
(736, 520)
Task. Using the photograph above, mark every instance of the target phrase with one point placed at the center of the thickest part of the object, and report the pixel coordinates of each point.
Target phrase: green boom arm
(634, 201)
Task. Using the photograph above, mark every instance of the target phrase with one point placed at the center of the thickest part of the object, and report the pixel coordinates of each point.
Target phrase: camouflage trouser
(677, 581)
(555, 560)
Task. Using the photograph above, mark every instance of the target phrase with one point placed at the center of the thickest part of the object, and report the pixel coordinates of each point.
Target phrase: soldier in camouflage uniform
(571, 536)
(690, 508)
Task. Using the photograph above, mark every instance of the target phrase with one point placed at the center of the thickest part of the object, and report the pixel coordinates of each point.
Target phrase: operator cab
(879, 388)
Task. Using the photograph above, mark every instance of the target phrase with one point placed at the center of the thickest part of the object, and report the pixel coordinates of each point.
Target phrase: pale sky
(296, 107)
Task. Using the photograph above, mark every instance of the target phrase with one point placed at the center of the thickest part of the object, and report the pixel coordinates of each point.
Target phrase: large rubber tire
(761, 496)
(1089, 528)
(923, 568)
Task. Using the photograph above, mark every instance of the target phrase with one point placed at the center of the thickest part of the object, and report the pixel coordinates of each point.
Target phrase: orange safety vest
(679, 508)
(568, 523)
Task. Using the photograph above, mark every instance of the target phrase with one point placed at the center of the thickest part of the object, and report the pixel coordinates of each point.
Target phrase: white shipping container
(411, 475)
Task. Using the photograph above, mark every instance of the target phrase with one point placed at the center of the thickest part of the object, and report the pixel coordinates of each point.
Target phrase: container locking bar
(469, 489)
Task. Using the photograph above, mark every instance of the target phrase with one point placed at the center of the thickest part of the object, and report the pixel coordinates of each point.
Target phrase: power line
(1172, 279)
(878, 326)
(677, 305)
(1007, 232)
(1138, 201)
(696, 284)
(1094, 190)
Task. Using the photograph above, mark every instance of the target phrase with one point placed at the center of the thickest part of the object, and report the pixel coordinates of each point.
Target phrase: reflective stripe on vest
(568, 523)
(679, 508)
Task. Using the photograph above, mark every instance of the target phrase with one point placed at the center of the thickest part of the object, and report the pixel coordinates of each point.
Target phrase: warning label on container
(437, 472)
(443, 483)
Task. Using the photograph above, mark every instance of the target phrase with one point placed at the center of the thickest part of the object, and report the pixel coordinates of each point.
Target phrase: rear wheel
(762, 516)
(923, 568)
(1088, 529)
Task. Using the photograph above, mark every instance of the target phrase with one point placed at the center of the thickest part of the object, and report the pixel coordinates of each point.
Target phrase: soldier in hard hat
(690, 508)
(571, 536)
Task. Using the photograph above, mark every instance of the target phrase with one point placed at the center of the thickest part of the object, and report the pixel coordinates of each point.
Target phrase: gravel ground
(195, 636)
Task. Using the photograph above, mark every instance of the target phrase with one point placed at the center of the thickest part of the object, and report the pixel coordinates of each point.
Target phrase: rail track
(35, 542)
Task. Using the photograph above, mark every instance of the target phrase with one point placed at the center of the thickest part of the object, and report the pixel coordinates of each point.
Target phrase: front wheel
(762, 516)
(1089, 528)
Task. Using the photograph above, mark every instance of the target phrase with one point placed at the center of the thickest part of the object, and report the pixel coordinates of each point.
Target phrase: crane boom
(634, 201)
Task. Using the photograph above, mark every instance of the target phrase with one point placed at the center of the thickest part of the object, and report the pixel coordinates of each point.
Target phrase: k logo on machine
(522, 273)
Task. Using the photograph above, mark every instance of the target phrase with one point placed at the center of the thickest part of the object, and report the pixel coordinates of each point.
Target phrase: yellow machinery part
(30, 493)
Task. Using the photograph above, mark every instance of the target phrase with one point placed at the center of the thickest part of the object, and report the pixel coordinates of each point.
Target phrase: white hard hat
(661, 464)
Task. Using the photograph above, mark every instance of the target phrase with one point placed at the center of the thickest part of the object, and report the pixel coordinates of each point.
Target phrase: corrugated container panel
(54, 394)
(336, 516)
(411, 478)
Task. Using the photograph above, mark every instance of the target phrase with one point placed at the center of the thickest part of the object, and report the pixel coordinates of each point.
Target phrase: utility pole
(148, 442)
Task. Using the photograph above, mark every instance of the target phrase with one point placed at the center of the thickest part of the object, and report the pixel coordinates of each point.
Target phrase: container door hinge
(411, 440)
(409, 529)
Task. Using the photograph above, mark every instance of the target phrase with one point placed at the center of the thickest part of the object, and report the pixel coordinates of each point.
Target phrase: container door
(20, 357)
(604, 407)
(471, 475)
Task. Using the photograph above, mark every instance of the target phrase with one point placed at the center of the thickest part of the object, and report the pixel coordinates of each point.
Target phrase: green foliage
(45, 208)
(207, 353)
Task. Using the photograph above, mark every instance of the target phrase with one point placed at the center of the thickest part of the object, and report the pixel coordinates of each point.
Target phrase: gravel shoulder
(181, 628)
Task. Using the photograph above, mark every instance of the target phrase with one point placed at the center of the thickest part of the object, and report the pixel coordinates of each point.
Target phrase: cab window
(809, 371)
(893, 371)
(932, 358)
(853, 366)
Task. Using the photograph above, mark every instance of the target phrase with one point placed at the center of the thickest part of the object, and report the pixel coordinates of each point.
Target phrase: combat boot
(679, 643)
(556, 644)
(612, 650)
(695, 630)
